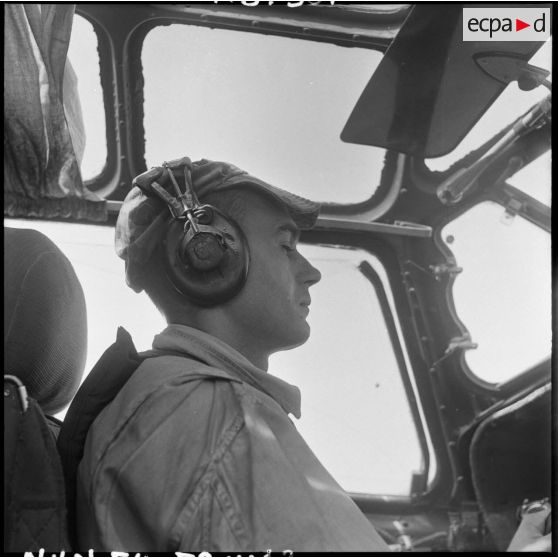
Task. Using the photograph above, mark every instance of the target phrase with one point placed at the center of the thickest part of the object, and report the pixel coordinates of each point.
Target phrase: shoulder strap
(106, 379)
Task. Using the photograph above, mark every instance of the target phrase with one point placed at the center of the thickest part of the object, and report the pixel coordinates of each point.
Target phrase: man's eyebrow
(290, 228)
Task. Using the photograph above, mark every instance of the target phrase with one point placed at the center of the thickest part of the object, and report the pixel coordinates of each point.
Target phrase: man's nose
(309, 274)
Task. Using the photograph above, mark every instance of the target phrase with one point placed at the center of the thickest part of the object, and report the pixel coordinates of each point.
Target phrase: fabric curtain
(43, 130)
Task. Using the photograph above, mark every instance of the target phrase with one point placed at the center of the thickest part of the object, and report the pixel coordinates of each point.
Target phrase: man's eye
(287, 247)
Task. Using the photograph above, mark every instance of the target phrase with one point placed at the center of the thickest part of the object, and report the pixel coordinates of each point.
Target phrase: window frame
(420, 479)
(539, 215)
(122, 76)
(137, 112)
(387, 249)
(529, 147)
(488, 142)
(98, 183)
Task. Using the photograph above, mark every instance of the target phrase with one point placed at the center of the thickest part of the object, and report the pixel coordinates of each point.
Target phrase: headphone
(206, 253)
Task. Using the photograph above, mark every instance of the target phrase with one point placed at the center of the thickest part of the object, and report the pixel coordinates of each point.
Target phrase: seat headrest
(45, 322)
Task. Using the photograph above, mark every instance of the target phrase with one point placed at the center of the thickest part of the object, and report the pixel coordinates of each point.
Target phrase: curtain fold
(41, 168)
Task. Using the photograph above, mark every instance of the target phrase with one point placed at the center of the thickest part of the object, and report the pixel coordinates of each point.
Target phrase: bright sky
(271, 105)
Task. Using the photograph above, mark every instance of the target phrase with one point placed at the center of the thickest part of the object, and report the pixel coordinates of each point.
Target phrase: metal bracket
(174, 205)
(462, 342)
(22, 392)
(513, 208)
(438, 270)
(507, 67)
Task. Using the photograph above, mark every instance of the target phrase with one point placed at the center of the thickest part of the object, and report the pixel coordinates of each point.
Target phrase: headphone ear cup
(208, 267)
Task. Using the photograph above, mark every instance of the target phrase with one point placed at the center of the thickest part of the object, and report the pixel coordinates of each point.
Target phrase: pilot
(198, 452)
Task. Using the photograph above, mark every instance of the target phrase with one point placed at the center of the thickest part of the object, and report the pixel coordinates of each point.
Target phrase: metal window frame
(537, 214)
(373, 277)
(387, 248)
(98, 183)
(120, 43)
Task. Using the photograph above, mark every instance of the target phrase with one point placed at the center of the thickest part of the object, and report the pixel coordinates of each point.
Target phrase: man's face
(272, 308)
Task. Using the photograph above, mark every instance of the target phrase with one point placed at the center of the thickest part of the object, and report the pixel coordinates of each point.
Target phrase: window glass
(270, 105)
(355, 411)
(84, 58)
(510, 105)
(503, 295)
(535, 179)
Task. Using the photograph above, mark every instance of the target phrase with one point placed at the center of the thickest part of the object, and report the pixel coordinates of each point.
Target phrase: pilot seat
(45, 341)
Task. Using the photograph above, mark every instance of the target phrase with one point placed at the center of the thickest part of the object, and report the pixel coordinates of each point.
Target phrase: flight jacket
(198, 453)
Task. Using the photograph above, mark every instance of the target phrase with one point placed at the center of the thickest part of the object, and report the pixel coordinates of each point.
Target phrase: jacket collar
(214, 352)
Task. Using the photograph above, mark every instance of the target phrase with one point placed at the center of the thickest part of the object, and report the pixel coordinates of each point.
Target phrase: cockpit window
(503, 295)
(84, 58)
(509, 106)
(272, 105)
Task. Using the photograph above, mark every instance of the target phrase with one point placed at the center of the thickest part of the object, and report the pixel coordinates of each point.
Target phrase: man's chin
(297, 338)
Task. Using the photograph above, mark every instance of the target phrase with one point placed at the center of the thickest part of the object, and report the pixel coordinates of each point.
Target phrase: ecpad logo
(506, 24)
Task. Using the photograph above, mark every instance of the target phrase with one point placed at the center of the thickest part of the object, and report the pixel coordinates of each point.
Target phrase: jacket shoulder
(176, 369)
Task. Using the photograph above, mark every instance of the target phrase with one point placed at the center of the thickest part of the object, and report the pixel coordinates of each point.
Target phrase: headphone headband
(206, 253)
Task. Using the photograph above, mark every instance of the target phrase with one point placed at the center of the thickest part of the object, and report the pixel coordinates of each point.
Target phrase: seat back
(45, 341)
